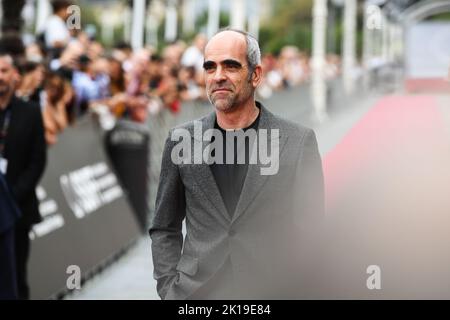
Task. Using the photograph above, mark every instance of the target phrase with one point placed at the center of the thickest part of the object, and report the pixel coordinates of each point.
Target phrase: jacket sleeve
(166, 226)
(29, 178)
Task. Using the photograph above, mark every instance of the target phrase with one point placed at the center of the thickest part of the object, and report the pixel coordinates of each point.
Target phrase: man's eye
(207, 66)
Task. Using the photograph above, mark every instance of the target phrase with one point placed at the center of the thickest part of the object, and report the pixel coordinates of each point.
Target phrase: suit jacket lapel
(202, 172)
(254, 181)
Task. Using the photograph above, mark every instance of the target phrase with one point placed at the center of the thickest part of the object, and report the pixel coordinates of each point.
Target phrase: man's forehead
(227, 43)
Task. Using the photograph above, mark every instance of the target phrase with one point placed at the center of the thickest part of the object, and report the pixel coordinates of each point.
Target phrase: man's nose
(219, 75)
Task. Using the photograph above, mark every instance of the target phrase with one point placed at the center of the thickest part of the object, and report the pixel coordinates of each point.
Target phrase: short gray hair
(253, 50)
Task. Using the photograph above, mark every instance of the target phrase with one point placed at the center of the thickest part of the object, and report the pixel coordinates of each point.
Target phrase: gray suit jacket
(261, 239)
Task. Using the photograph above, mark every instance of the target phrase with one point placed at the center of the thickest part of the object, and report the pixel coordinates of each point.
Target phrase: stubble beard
(231, 102)
(224, 104)
(4, 88)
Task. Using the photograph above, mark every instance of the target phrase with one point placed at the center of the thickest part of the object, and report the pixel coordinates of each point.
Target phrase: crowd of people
(69, 72)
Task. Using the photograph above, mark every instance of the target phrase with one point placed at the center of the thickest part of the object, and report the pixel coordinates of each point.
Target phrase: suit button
(231, 233)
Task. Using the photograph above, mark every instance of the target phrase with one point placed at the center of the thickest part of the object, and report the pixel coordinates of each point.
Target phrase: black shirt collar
(253, 125)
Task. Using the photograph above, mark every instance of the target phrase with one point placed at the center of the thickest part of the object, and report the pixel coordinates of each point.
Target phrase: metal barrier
(86, 218)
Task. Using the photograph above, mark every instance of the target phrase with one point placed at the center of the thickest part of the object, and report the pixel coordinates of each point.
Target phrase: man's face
(228, 83)
(8, 75)
(64, 13)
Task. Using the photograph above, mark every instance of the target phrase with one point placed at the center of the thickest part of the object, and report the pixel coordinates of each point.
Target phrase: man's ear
(257, 76)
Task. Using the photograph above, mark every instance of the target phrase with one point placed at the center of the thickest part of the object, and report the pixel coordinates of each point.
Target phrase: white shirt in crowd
(56, 30)
(193, 57)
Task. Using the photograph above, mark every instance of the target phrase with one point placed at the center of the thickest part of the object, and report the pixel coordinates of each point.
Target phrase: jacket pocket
(188, 265)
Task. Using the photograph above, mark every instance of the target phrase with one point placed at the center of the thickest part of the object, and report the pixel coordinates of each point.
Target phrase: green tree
(291, 25)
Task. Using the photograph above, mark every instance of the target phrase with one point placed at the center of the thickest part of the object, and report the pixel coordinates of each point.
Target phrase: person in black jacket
(9, 213)
(22, 159)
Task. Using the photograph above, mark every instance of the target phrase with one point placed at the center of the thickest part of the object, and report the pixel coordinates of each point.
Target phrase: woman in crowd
(57, 96)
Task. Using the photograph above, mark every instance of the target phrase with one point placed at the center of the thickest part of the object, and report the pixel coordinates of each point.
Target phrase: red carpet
(397, 130)
(428, 85)
(388, 202)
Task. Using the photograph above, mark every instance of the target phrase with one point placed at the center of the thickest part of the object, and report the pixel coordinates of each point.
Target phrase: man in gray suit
(244, 219)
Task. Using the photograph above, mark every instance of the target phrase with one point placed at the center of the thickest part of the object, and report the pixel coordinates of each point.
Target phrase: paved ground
(128, 278)
(131, 277)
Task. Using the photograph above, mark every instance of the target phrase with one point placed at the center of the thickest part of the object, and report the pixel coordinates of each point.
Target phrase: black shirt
(230, 177)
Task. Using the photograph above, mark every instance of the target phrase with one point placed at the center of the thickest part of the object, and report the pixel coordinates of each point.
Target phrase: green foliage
(90, 15)
(200, 26)
(291, 24)
(202, 21)
(439, 17)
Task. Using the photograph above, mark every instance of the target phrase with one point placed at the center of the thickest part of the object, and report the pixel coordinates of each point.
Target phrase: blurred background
(371, 77)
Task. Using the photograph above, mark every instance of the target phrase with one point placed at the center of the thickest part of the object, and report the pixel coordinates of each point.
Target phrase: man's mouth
(221, 90)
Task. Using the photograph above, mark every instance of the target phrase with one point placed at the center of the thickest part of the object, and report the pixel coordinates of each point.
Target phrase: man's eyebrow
(231, 62)
(227, 62)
